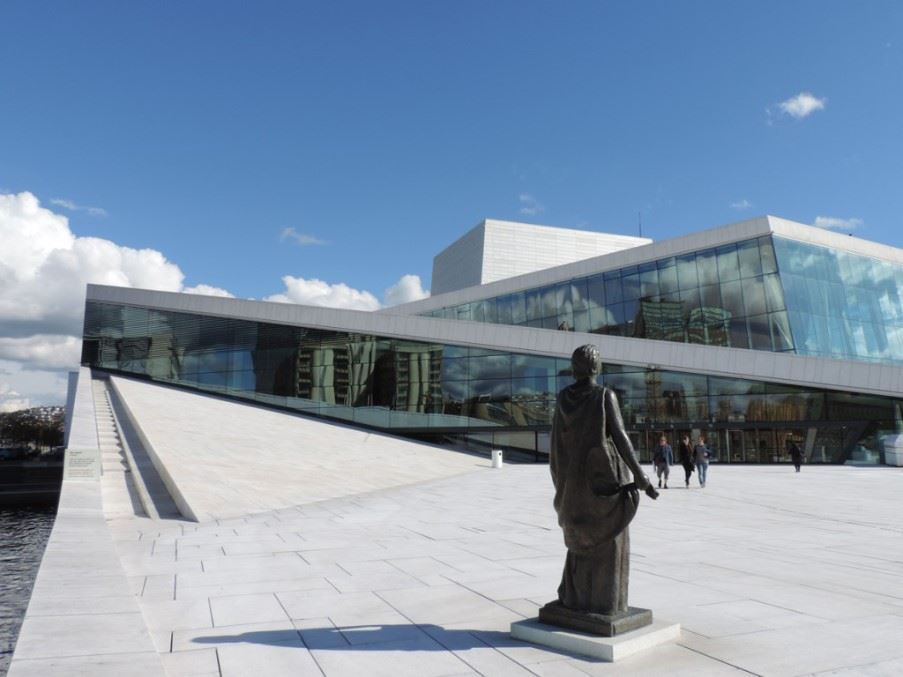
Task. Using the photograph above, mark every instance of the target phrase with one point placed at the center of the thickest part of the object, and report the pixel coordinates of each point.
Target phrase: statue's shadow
(405, 637)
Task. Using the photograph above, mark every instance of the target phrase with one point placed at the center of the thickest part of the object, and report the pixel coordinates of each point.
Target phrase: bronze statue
(597, 480)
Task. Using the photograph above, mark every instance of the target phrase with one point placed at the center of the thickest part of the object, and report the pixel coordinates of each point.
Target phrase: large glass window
(839, 304)
(421, 386)
(704, 297)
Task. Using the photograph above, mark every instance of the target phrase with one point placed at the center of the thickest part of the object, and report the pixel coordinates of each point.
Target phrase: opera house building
(753, 334)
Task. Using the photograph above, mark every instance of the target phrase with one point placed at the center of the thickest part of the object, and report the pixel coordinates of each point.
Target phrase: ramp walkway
(219, 458)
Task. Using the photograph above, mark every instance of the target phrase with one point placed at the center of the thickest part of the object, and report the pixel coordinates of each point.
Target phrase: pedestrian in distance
(701, 455)
(796, 454)
(663, 459)
(685, 458)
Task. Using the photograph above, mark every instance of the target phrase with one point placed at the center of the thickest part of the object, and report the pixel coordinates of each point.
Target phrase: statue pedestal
(605, 648)
(555, 613)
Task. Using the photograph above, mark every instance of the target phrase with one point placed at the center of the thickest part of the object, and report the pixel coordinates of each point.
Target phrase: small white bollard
(496, 458)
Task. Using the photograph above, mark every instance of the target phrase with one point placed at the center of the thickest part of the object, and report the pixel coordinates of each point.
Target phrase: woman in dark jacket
(685, 458)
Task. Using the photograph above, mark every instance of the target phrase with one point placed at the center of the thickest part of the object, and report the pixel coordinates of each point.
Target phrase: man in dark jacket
(796, 454)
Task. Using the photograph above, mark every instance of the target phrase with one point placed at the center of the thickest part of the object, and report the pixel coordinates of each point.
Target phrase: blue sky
(380, 132)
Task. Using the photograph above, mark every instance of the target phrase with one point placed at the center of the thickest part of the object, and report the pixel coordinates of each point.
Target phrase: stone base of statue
(596, 646)
(555, 613)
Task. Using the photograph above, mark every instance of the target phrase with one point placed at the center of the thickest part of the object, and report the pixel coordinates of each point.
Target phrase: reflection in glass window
(549, 302)
(613, 292)
(649, 287)
(411, 385)
(595, 294)
(667, 276)
(579, 296)
(760, 332)
(754, 296)
(728, 263)
(732, 298)
(707, 267)
(686, 272)
(704, 297)
(750, 262)
(780, 331)
(840, 304)
(534, 304)
(630, 285)
(490, 366)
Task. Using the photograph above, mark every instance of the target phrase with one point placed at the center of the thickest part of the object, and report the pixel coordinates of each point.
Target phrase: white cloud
(30, 387)
(835, 223)
(11, 400)
(530, 206)
(313, 292)
(207, 290)
(318, 293)
(42, 351)
(73, 207)
(408, 288)
(44, 268)
(741, 204)
(802, 105)
(300, 238)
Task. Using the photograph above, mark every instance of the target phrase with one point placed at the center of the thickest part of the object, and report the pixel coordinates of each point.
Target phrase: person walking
(685, 458)
(701, 455)
(796, 454)
(663, 459)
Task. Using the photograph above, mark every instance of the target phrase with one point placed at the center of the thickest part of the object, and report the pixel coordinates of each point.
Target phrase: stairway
(130, 483)
(120, 498)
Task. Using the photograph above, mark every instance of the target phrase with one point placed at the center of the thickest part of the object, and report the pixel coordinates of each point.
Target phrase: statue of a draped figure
(597, 480)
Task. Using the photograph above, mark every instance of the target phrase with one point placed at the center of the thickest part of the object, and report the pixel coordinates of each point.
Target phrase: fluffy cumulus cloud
(315, 292)
(835, 223)
(50, 351)
(318, 293)
(802, 105)
(408, 288)
(44, 268)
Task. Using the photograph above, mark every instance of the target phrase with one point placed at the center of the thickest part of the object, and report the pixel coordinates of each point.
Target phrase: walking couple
(693, 457)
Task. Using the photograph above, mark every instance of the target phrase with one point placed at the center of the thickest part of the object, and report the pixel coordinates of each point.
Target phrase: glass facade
(372, 380)
(483, 398)
(725, 296)
(842, 305)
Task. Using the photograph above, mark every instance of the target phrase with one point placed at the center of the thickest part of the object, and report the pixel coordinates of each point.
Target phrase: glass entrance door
(732, 444)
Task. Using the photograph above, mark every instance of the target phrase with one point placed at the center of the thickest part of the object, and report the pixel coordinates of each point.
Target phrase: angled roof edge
(814, 372)
(713, 237)
(619, 237)
(829, 238)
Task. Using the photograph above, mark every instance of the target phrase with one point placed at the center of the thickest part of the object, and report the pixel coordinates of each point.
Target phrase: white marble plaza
(768, 572)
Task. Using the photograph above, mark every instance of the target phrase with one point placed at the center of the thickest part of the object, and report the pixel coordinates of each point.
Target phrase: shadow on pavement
(373, 638)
